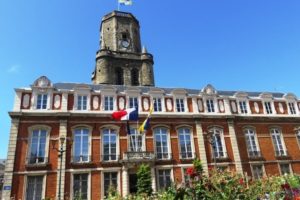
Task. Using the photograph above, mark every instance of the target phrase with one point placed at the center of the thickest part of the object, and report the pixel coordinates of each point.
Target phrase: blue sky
(248, 45)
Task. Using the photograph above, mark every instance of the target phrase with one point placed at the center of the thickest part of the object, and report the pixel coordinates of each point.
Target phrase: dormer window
(157, 104)
(210, 105)
(292, 108)
(81, 102)
(133, 102)
(41, 101)
(243, 107)
(180, 105)
(268, 107)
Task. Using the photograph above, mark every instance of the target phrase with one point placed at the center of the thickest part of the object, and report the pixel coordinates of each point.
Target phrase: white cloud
(13, 69)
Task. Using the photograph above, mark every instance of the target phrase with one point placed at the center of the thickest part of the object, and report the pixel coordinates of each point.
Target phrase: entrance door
(132, 183)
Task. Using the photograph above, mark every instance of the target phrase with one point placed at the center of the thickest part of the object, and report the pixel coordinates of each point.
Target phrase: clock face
(125, 43)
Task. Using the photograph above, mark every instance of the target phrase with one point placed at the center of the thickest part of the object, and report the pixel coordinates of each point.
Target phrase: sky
(246, 45)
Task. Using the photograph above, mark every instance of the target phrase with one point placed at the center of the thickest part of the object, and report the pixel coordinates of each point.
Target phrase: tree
(144, 180)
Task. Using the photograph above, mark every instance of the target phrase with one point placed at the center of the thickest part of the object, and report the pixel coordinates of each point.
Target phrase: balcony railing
(140, 155)
(255, 154)
(163, 156)
(110, 158)
(220, 156)
(36, 160)
(187, 155)
(81, 159)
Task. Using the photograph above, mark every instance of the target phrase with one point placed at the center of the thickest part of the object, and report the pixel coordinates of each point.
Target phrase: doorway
(132, 183)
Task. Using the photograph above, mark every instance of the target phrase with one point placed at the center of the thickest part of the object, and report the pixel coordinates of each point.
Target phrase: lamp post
(211, 140)
(61, 151)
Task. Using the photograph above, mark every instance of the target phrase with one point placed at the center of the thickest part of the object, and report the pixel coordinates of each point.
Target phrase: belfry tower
(121, 60)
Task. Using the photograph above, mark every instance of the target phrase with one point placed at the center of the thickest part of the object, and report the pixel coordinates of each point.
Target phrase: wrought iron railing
(139, 155)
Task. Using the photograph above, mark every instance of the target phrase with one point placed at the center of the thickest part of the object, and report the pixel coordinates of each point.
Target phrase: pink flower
(190, 171)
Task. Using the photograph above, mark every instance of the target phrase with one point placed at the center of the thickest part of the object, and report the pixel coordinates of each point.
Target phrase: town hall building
(64, 142)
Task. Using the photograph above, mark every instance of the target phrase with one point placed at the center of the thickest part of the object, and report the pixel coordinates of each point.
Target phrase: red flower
(190, 171)
(241, 181)
(285, 186)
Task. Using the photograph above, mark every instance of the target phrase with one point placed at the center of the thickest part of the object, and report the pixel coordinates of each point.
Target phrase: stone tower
(121, 60)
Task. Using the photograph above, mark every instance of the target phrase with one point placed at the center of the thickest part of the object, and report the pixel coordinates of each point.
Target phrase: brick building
(254, 133)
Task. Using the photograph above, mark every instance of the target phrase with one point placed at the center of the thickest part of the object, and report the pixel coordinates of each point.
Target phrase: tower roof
(121, 14)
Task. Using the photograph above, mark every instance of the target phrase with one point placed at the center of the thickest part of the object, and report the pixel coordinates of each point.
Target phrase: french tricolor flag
(130, 114)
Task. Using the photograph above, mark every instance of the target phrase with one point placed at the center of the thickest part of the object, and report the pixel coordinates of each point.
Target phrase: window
(81, 102)
(119, 76)
(180, 105)
(292, 108)
(252, 147)
(109, 145)
(133, 102)
(285, 168)
(41, 101)
(110, 180)
(185, 141)
(161, 143)
(298, 136)
(135, 141)
(268, 107)
(135, 77)
(157, 104)
(34, 187)
(80, 186)
(218, 144)
(210, 105)
(278, 143)
(185, 177)
(243, 107)
(164, 178)
(108, 103)
(257, 171)
(81, 145)
(38, 146)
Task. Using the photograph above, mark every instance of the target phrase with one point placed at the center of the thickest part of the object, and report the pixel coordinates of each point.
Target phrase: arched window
(38, 146)
(251, 140)
(218, 143)
(185, 141)
(136, 141)
(81, 145)
(278, 142)
(119, 76)
(161, 143)
(134, 76)
(109, 144)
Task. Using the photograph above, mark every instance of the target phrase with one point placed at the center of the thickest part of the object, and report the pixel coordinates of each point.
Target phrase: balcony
(255, 155)
(282, 155)
(139, 156)
(36, 161)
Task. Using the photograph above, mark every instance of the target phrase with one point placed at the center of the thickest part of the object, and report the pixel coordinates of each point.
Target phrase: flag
(130, 114)
(125, 2)
(146, 124)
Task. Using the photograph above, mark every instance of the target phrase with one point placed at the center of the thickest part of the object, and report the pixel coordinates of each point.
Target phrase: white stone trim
(201, 146)
(72, 182)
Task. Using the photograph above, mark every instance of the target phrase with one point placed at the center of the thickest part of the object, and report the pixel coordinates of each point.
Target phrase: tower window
(119, 76)
(135, 77)
(124, 36)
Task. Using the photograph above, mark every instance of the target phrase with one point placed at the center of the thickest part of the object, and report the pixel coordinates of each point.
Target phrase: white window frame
(168, 141)
(278, 132)
(47, 101)
(116, 129)
(248, 132)
(210, 105)
(180, 104)
(242, 108)
(134, 100)
(157, 175)
(155, 102)
(269, 108)
(263, 170)
(292, 110)
(215, 131)
(134, 132)
(184, 175)
(192, 142)
(89, 142)
(298, 136)
(81, 107)
(26, 184)
(113, 102)
(89, 183)
(109, 170)
(30, 131)
(285, 163)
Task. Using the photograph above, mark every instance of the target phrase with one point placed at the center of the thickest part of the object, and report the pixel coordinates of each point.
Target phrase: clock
(125, 43)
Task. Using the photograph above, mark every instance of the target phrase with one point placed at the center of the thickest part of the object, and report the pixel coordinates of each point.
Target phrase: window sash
(108, 103)
(292, 108)
(164, 178)
(135, 141)
(210, 105)
(80, 186)
(110, 179)
(185, 140)
(251, 141)
(81, 145)
(133, 102)
(180, 105)
(81, 102)
(285, 169)
(161, 143)
(38, 146)
(268, 107)
(109, 145)
(34, 188)
(257, 171)
(41, 101)
(157, 104)
(243, 107)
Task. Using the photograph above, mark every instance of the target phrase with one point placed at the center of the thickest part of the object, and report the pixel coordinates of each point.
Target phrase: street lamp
(60, 150)
(211, 140)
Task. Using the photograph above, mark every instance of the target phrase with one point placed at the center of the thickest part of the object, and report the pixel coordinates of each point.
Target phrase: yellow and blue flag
(146, 124)
(125, 2)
